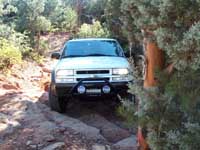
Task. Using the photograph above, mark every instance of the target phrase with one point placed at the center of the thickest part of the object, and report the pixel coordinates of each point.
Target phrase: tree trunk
(79, 11)
(38, 42)
(154, 61)
(130, 49)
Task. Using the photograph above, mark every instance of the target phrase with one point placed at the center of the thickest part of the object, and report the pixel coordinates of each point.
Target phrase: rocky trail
(27, 123)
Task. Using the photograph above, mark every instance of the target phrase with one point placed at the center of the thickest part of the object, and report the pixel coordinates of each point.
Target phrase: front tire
(131, 98)
(57, 103)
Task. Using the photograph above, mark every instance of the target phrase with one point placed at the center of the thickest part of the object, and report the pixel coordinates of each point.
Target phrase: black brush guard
(74, 88)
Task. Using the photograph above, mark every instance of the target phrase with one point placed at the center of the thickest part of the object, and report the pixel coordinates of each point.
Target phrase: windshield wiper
(96, 54)
(69, 56)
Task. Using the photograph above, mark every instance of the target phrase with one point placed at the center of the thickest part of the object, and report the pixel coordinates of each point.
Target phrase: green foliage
(6, 31)
(113, 14)
(43, 47)
(52, 8)
(169, 111)
(93, 30)
(127, 110)
(42, 24)
(95, 9)
(30, 16)
(36, 57)
(22, 22)
(39, 15)
(175, 25)
(9, 54)
(6, 8)
(19, 40)
(128, 17)
(67, 19)
(121, 26)
(61, 15)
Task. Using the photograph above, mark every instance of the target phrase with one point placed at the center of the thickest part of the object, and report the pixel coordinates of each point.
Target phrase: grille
(94, 79)
(92, 72)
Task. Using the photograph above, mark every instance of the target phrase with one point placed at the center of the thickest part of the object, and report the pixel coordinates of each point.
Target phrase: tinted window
(92, 48)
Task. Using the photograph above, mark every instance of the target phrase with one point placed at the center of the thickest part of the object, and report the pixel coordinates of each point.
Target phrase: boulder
(7, 125)
(126, 144)
(98, 147)
(9, 87)
(77, 126)
(55, 146)
(109, 130)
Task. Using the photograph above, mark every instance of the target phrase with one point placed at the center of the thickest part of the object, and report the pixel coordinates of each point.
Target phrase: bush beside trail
(9, 54)
(93, 30)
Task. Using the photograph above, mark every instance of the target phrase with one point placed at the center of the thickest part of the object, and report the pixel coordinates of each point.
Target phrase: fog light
(106, 89)
(81, 89)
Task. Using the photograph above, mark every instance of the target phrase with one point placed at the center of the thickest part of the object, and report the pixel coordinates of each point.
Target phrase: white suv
(88, 67)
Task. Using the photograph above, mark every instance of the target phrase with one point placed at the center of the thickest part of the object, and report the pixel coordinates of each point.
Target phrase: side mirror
(55, 55)
(127, 54)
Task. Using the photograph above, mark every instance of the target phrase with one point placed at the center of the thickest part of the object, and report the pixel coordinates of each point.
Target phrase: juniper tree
(113, 21)
(170, 113)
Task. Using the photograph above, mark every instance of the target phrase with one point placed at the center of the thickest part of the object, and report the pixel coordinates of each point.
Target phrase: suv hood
(96, 62)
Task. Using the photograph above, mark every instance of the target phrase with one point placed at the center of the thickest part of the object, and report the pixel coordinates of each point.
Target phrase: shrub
(22, 41)
(9, 54)
(43, 47)
(93, 30)
(66, 19)
(36, 57)
(170, 113)
(127, 111)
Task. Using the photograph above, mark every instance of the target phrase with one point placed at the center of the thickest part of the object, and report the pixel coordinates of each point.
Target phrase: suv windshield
(92, 48)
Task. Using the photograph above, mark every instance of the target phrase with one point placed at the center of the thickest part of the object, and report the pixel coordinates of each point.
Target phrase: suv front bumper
(70, 89)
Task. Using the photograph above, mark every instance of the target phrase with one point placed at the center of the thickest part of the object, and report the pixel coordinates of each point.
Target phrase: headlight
(63, 80)
(63, 73)
(64, 76)
(122, 71)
